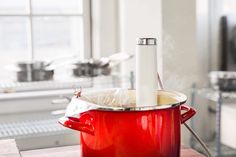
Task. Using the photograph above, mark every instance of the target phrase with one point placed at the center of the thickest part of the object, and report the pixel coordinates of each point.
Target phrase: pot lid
(121, 100)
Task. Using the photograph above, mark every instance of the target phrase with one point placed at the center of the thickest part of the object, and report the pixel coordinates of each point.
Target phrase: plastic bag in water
(106, 99)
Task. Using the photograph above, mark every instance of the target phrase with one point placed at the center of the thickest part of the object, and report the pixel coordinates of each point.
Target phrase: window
(42, 30)
(229, 6)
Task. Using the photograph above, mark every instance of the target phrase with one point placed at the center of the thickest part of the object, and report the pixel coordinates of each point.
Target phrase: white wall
(183, 62)
(215, 12)
(204, 122)
(104, 27)
(180, 58)
(139, 18)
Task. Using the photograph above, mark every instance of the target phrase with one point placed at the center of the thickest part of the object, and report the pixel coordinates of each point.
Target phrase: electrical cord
(198, 139)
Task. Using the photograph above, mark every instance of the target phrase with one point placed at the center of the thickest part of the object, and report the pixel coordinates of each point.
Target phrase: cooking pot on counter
(34, 71)
(28, 71)
(129, 131)
(96, 67)
(90, 68)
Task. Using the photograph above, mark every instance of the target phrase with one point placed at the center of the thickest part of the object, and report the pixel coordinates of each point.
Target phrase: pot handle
(188, 114)
(84, 123)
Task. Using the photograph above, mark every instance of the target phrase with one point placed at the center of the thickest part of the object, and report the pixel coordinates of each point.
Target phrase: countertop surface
(8, 148)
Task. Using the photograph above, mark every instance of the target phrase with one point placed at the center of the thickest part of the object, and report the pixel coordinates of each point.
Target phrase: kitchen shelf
(22, 129)
(36, 130)
(217, 149)
(73, 83)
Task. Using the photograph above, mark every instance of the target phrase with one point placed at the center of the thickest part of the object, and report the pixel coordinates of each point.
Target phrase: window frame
(86, 18)
(87, 27)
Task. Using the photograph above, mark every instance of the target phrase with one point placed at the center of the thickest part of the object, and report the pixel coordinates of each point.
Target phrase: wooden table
(8, 148)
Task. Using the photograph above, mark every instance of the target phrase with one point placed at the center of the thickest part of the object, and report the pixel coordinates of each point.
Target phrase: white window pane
(14, 6)
(57, 6)
(14, 33)
(229, 6)
(14, 45)
(57, 36)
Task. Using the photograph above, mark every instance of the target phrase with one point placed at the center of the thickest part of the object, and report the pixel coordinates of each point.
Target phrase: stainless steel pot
(38, 70)
(34, 71)
(91, 68)
(223, 80)
(96, 67)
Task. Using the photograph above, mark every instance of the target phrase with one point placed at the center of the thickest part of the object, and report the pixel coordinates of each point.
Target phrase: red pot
(133, 132)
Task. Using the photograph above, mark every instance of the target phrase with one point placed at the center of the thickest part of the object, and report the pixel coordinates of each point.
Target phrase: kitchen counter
(8, 148)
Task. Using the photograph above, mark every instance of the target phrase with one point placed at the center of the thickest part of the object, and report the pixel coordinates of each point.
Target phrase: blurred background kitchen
(49, 48)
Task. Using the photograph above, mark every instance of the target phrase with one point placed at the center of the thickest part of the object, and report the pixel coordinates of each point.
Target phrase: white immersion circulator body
(146, 72)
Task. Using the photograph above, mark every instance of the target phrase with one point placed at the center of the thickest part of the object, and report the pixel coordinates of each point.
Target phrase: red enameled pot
(133, 131)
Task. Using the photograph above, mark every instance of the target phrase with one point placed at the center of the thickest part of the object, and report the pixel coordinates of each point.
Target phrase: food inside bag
(117, 99)
(105, 99)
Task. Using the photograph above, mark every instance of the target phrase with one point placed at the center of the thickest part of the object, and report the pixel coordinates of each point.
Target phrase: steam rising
(179, 64)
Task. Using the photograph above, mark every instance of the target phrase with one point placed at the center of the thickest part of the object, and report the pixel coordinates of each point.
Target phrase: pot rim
(179, 98)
